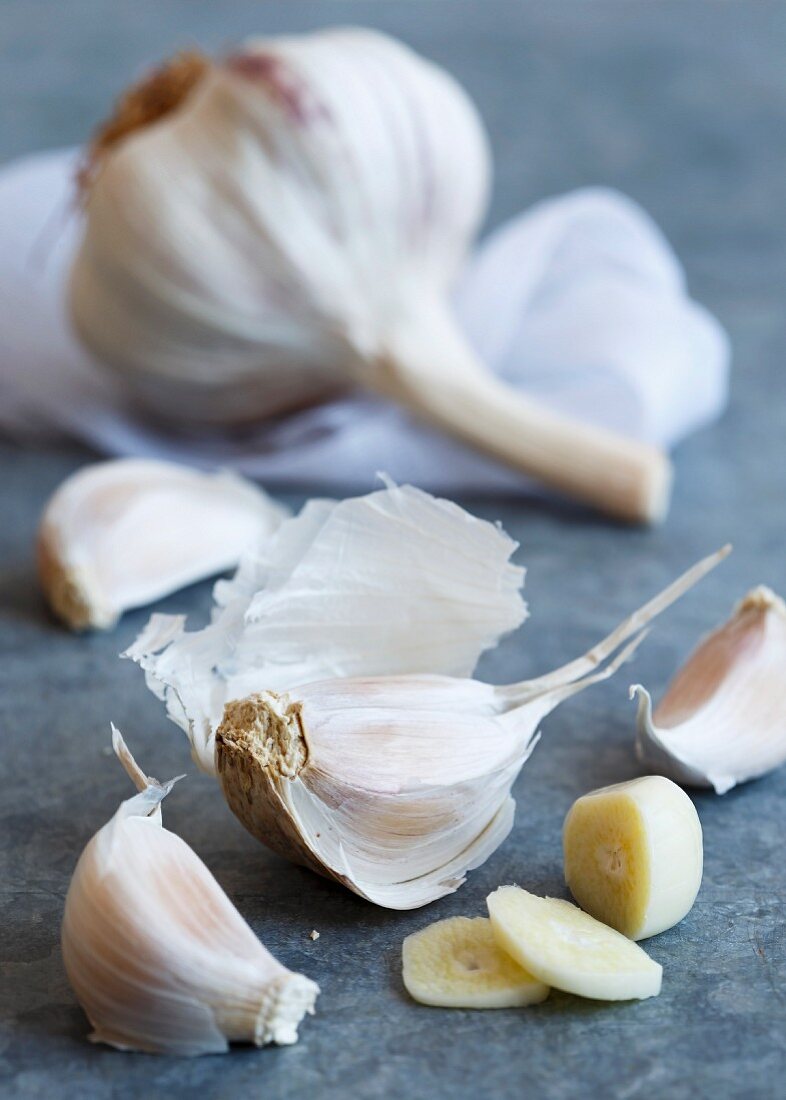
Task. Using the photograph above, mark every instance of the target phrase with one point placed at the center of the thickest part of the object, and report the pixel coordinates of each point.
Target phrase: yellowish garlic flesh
(722, 720)
(568, 949)
(456, 963)
(123, 533)
(634, 856)
(159, 958)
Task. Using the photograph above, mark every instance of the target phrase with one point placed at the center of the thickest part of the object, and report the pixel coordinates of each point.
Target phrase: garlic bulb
(121, 534)
(288, 225)
(721, 721)
(396, 581)
(397, 786)
(160, 959)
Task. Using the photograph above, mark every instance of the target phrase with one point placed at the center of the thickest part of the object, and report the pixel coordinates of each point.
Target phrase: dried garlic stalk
(160, 959)
(393, 582)
(397, 786)
(722, 720)
(123, 533)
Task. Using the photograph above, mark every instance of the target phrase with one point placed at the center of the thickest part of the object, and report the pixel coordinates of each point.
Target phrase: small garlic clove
(159, 958)
(721, 721)
(123, 533)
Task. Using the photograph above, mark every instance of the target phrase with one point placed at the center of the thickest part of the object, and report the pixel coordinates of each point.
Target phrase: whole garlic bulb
(291, 227)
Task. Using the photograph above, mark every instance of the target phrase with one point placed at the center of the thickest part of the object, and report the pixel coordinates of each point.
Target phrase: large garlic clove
(721, 721)
(570, 950)
(396, 581)
(159, 958)
(123, 533)
(634, 855)
(291, 226)
(456, 963)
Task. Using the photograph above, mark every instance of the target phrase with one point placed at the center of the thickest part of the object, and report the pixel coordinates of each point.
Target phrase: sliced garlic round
(456, 963)
(633, 855)
(570, 950)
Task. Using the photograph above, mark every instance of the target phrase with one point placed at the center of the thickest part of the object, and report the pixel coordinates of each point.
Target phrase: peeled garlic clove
(456, 963)
(159, 958)
(396, 581)
(634, 855)
(123, 533)
(721, 721)
(569, 949)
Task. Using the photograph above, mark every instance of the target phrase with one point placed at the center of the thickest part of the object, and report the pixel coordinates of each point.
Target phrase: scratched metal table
(682, 105)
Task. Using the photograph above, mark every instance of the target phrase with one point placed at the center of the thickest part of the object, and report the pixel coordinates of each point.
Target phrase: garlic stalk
(121, 534)
(396, 581)
(159, 958)
(397, 786)
(721, 721)
(289, 227)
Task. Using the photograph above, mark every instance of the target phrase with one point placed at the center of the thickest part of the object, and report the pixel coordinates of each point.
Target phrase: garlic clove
(634, 856)
(570, 950)
(456, 963)
(121, 534)
(396, 581)
(159, 958)
(721, 720)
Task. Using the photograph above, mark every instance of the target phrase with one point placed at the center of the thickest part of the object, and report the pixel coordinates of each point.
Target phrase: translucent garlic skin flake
(722, 720)
(393, 582)
(159, 958)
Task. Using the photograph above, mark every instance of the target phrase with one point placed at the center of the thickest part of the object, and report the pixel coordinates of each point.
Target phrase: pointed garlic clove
(456, 963)
(721, 721)
(159, 958)
(396, 581)
(121, 534)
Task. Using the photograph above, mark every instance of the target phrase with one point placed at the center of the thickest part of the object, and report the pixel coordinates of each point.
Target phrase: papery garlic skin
(721, 721)
(159, 958)
(123, 533)
(396, 581)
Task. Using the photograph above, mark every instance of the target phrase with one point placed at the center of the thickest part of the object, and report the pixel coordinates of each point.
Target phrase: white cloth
(580, 301)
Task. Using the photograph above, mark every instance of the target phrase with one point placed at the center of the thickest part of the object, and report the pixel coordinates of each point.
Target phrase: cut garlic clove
(123, 533)
(633, 855)
(570, 950)
(159, 958)
(456, 963)
(721, 721)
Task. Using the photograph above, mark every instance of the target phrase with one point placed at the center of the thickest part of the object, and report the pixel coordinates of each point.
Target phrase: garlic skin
(721, 721)
(397, 786)
(396, 581)
(121, 534)
(159, 958)
(292, 228)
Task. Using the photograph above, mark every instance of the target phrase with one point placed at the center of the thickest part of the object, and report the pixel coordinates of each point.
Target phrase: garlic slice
(121, 534)
(396, 581)
(721, 721)
(396, 786)
(159, 958)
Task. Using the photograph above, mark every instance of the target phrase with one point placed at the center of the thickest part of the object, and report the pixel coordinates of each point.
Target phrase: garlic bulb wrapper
(121, 534)
(721, 721)
(396, 581)
(159, 958)
(397, 786)
(291, 228)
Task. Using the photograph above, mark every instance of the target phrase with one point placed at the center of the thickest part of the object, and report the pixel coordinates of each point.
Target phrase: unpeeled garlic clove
(397, 786)
(123, 533)
(721, 721)
(159, 958)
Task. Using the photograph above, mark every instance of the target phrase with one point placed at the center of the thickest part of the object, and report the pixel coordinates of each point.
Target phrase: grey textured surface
(682, 105)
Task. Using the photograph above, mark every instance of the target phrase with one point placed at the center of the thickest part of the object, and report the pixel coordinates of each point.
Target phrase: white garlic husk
(121, 534)
(291, 228)
(722, 720)
(396, 581)
(397, 786)
(158, 956)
